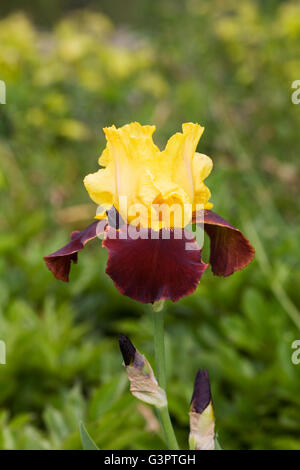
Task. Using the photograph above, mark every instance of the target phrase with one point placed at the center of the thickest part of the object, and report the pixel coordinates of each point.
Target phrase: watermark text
(2, 92)
(2, 352)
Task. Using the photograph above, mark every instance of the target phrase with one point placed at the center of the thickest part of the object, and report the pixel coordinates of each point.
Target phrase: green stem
(159, 348)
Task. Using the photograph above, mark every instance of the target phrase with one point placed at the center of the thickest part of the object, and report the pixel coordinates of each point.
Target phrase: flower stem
(159, 348)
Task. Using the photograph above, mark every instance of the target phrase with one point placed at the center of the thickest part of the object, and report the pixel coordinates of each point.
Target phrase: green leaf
(106, 395)
(86, 440)
(217, 444)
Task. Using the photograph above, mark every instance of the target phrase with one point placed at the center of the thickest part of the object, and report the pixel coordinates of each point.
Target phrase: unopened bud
(202, 421)
(143, 384)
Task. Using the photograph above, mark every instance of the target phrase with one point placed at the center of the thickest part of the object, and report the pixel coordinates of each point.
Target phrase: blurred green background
(71, 71)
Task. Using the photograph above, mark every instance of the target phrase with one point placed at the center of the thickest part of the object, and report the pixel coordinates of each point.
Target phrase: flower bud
(202, 421)
(143, 384)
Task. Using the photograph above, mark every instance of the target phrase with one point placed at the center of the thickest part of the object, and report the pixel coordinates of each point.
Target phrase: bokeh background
(73, 67)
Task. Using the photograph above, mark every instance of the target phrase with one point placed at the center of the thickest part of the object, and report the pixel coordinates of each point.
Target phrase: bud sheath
(143, 384)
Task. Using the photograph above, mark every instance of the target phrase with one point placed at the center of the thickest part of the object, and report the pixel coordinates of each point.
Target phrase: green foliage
(228, 65)
(87, 441)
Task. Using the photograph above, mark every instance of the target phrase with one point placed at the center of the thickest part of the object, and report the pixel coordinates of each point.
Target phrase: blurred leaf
(86, 440)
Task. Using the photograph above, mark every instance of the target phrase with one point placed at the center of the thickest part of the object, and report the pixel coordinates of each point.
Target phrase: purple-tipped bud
(127, 349)
(143, 384)
(201, 395)
(202, 421)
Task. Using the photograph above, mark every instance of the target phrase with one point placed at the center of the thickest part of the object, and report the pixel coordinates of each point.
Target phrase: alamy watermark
(296, 354)
(2, 92)
(160, 221)
(296, 94)
(2, 352)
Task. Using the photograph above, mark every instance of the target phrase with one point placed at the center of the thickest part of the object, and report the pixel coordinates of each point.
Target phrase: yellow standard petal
(201, 168)
(148, 187)
(100, 186)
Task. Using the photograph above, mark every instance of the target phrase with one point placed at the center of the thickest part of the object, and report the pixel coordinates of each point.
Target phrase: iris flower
(146, 200)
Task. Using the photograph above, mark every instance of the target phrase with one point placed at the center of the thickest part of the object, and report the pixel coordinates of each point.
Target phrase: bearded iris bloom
(155, 195)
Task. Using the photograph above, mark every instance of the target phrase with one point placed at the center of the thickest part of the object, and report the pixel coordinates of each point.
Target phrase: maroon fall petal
(59, 262)
(229, 248)
(155, 266)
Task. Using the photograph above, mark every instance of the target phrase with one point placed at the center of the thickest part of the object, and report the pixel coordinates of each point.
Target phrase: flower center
(171, 210)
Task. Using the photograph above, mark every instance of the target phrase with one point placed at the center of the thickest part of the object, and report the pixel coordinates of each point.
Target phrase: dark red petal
(229, 248)
(148, 269)
(201, 394)
(59, 262)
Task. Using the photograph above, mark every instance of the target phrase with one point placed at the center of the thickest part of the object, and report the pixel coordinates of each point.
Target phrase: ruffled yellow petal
(179, 153)
(172, 205)
(201, 168)
(202, 197)
(148, 187)
(100, 186)
(105, 157)
(136, 139)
